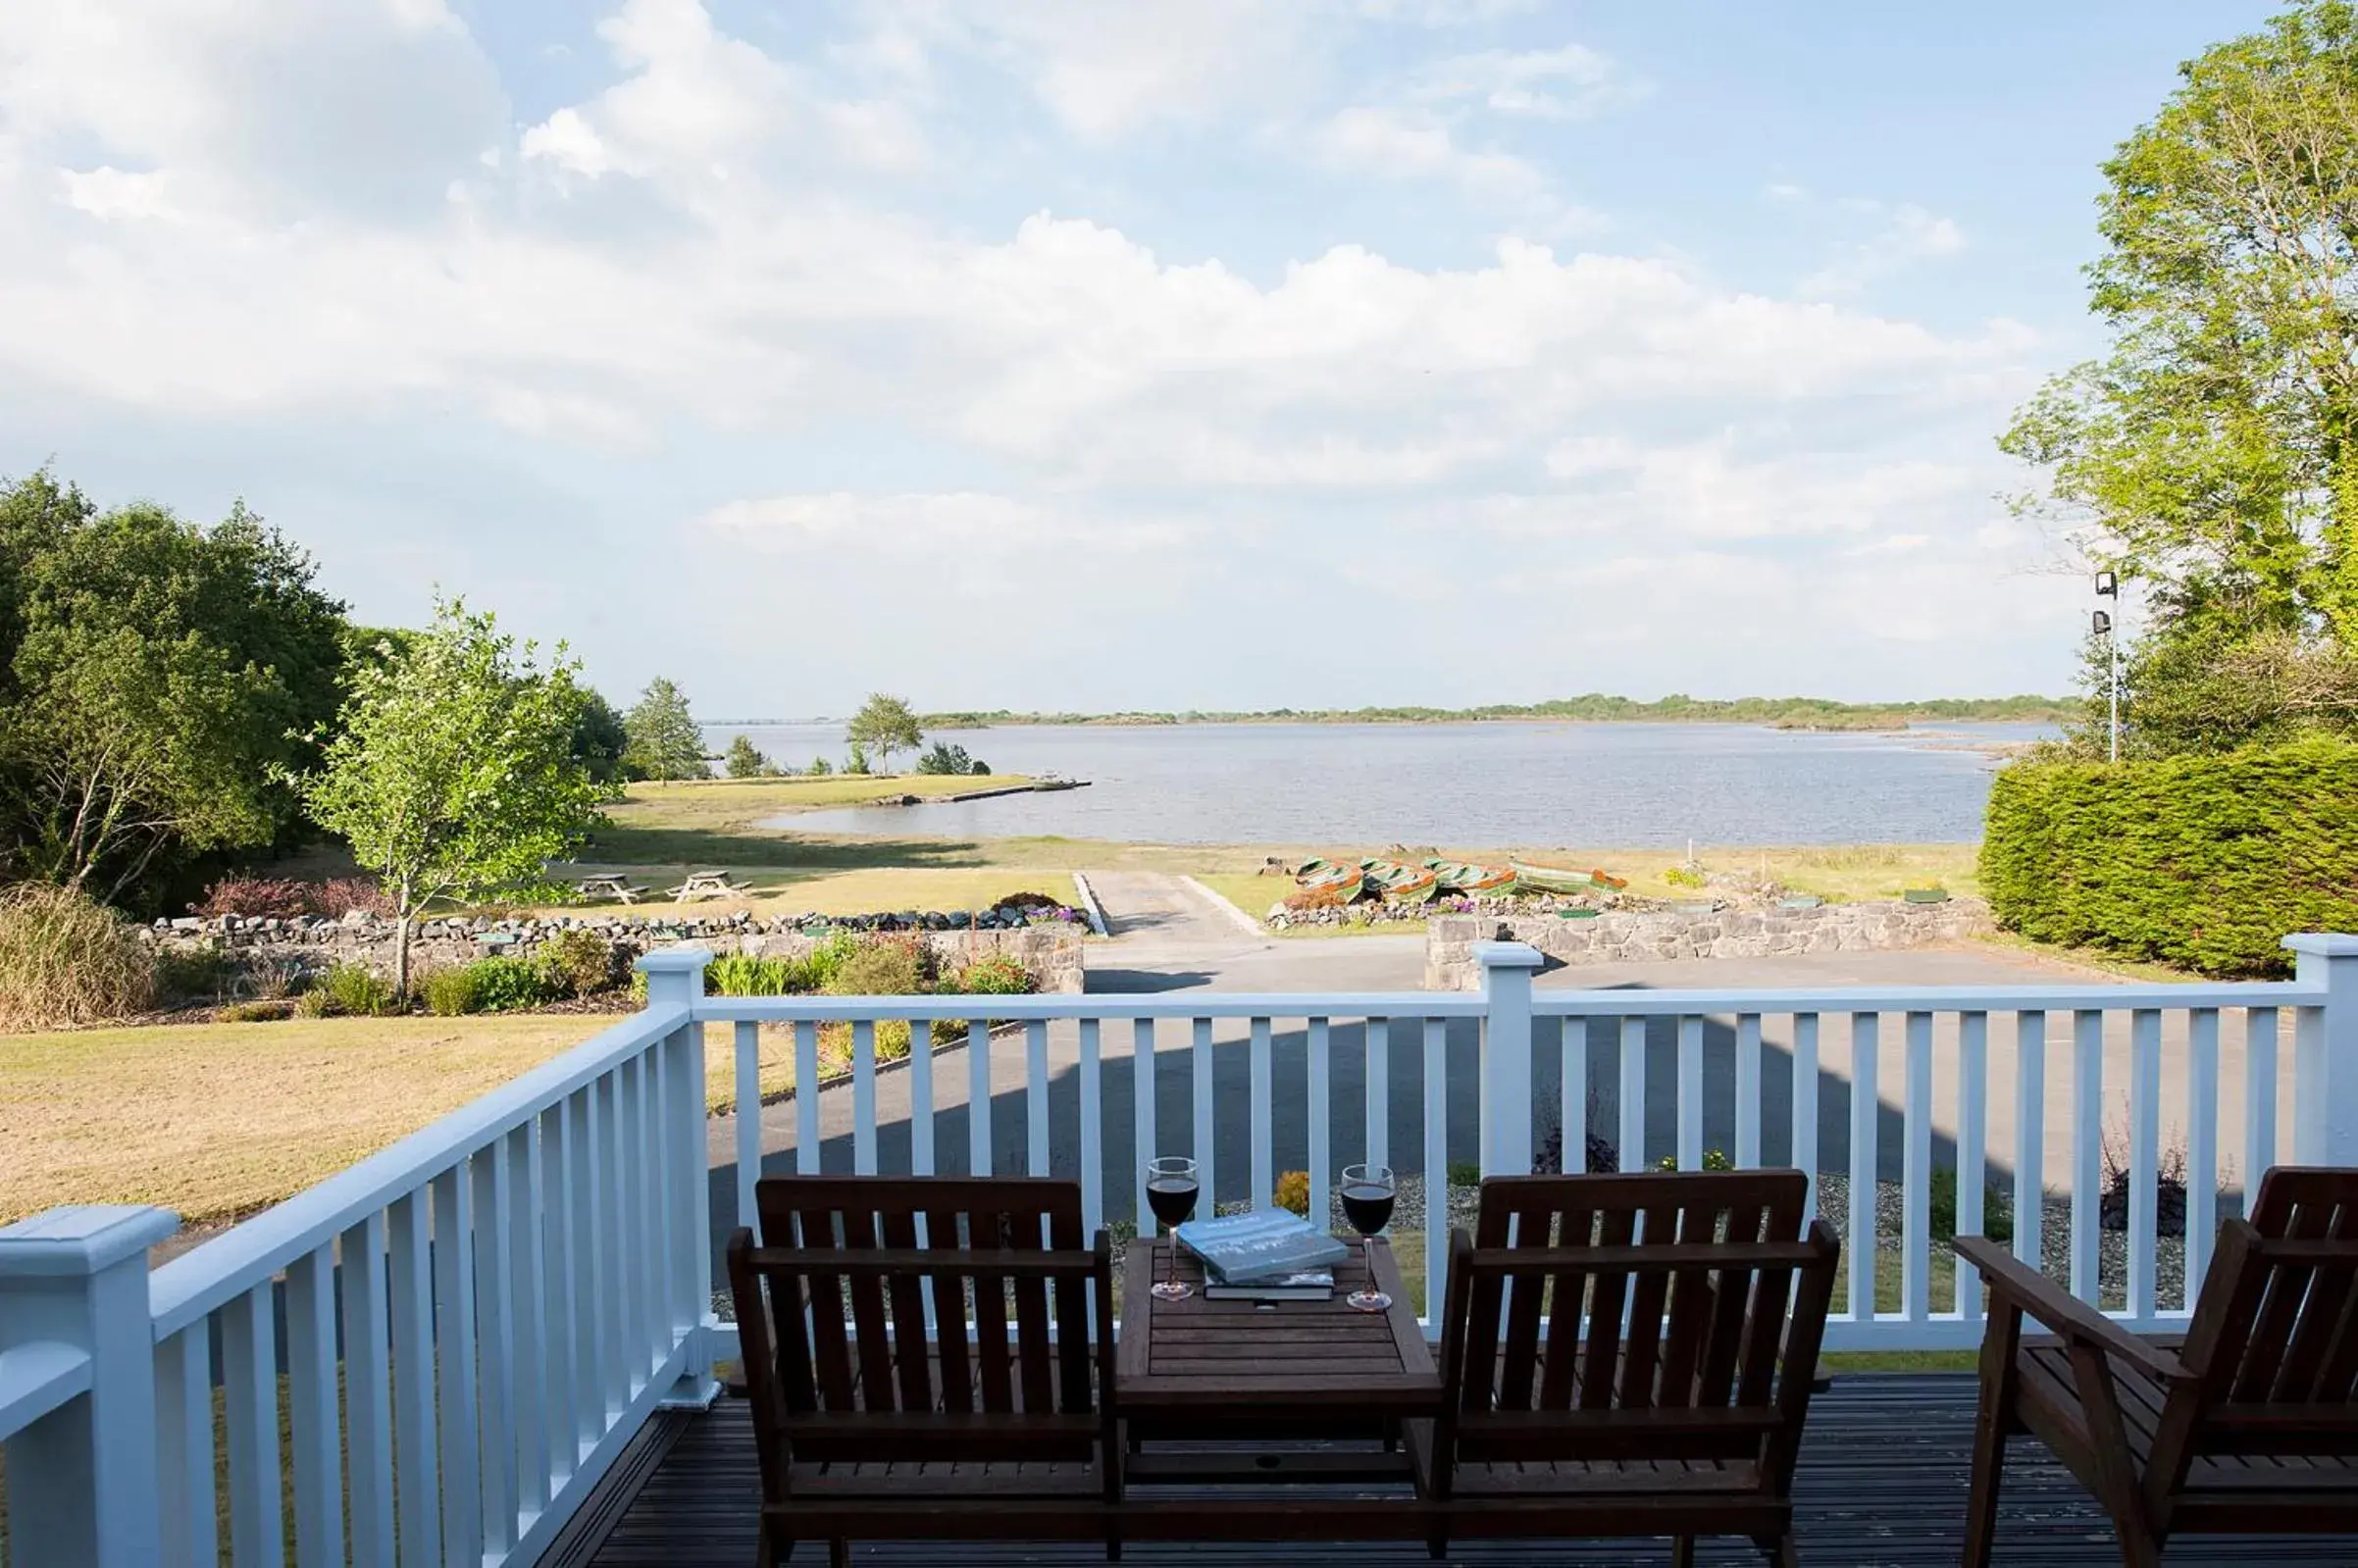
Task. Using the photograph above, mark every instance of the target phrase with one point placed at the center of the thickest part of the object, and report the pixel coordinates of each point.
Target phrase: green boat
(1391, 879)
(1471, 878)
(1554, 880)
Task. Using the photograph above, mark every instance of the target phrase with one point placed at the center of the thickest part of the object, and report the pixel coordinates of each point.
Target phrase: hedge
(2206, 862)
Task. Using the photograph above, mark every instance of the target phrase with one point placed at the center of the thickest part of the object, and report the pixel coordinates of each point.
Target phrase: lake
(1620, 785)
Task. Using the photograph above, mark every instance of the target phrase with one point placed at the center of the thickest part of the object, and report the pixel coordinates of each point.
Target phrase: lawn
(215, 1121)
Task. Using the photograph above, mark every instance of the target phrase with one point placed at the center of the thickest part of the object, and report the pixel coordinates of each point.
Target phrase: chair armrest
(2064, 1314)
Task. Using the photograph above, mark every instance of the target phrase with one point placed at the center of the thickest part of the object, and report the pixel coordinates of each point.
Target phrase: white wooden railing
(460, 1334)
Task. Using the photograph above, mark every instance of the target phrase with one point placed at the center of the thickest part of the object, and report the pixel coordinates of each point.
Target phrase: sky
(1051, 354)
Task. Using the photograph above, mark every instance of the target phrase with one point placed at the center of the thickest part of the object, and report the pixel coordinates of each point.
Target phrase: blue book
(1240, 1248)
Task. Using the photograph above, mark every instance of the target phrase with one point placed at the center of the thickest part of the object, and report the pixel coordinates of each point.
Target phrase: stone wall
(1049, 948)
(1612, 938)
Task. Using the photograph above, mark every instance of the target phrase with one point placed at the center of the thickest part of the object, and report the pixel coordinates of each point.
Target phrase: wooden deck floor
(1881, 1484)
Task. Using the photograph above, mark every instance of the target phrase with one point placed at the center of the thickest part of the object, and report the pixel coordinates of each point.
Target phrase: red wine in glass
(1172, 1187)
(1369, 1192)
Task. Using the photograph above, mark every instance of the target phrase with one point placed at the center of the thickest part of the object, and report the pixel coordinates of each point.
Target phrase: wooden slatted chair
(2250, 1425)
(999, 1429)
(1677, 1408)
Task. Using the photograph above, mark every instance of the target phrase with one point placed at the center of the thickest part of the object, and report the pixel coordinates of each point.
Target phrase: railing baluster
(1973, 1147)
(417, 1473)
(1092, 1156)
(188, 1496)
(314, 1424)
(1866, 1107)
(1916, 1173)
(1320, 1108)
(368, 1393)
(1436, 1163)
(921, 1104)
(2030, 1134)
(1805, 1106)
(1378, 1039)
(1143, 1132)
(1633, 1094)
(2258, 1098)
(1690, 1091)
(606, 1389)
(527, 1315)
(454, 1361)
(2144, 1151)
(749, 1116)
(2202, 1146)
(249, 1385)
(1035, 1096)
(1571, 1123)
(806, 1097)
(863, 1098)
(979, 1153)
(2088, 1149)
(495, 1242)
(560, 1316)
(1748, 1090)
(1265, 1157)
(1202, 1103)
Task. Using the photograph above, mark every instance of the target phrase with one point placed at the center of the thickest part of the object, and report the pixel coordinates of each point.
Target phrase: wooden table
(615, 886)
(705, 885)
(1198, 1371)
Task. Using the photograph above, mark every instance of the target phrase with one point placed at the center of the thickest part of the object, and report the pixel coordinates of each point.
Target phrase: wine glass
(1171, 1188)
(1368, 1192)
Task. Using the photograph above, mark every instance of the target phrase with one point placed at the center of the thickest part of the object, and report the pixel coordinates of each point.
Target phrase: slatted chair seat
(1629, 1355)
(996, 1423)
(2248, 1424)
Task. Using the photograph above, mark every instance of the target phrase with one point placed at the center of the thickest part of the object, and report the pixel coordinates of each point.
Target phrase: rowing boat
(1555, 880)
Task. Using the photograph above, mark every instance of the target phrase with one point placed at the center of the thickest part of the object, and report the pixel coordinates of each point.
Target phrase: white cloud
(1910, 235)
(1565, 84)
(1407, 142)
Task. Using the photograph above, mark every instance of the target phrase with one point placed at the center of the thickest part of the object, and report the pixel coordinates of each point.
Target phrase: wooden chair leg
(1682, 1552)
(1780, 1550)
(1993, 1419)
(839, 1553)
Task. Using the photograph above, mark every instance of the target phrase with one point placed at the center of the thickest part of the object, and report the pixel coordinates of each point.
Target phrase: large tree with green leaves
(882, 726)
(453, 771)
(2213, 454)
(664, 740)
(156, 676)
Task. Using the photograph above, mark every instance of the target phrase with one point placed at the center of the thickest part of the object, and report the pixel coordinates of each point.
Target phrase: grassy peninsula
(1790, 712)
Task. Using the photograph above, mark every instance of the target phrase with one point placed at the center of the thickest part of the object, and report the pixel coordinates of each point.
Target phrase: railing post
(1506, 970)
(81, 1481)
(2324, 1051)
(675, 977)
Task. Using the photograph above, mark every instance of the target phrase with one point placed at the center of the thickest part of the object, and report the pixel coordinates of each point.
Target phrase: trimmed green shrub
(996, 975)
(2206, 862)
(66, 959)
(265, 1012)
(449, 993)
(352, 989)
(581, 962)
(882, 968)
(510, 985)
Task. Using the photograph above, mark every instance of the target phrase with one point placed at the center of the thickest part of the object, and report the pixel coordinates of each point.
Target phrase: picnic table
(705, 885)
(614, 885)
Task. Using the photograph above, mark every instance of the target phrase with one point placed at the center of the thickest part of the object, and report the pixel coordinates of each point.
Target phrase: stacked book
(1266, 1255)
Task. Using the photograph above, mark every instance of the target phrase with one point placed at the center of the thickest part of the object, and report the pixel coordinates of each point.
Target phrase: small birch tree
(453, 774)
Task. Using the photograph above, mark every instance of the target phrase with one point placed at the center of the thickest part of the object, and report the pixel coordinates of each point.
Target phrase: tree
(2213, 454)
(452, 772)
(819, 767)
(156, 678)
(600, 738)
(858, 761)
(664, 740)
(885, 725)
(745, 760)
(943, 757)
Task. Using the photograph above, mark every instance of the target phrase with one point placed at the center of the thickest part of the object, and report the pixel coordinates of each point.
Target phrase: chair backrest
(1635, 1317)
(2273, 1347)
(833, 1308)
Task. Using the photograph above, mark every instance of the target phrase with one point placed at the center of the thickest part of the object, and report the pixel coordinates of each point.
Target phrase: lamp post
(2108, 587)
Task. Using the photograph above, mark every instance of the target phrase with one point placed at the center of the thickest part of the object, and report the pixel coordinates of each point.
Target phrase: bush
(2201, 861)
(1997, 1208)
(1687, 877)
(340, 895)
(745, 974)
(314, 1003)
(1294, 1192)
(943, 758)
(579, 962)
(193, 973)
(744, 759)
(253, 1012)
(510, 985)
(257, 897)
(353, 990)
(66, 959)
(819, 767)
(981, 769)
(884, 967)
(449, 993)
(995, 975)
(893, 1038)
